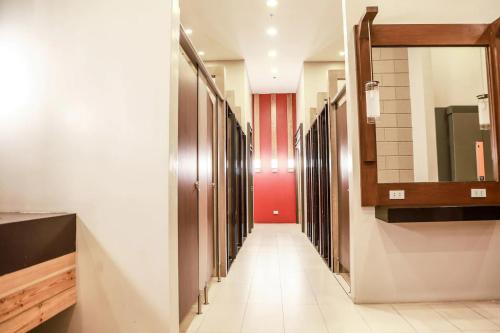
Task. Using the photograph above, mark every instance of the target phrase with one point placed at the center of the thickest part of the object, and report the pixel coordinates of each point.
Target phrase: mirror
(429, 128)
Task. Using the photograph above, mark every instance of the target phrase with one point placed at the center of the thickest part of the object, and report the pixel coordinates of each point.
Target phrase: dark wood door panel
(187, 192)
(236, 186)
(231, 194)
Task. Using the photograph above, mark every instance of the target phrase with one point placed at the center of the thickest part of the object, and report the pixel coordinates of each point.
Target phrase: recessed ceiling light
(188, 31)
(341, 53)
(272, 53)
(201, 53)
(272, 31)
(272, 3)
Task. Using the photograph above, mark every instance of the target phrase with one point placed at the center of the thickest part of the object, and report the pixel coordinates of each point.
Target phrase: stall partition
(187, 194)
(215, 185)
(327, 184)
(324, 185)
(236, 184)
(339, 179)
(249, 187)
(199, 238)
(318, 185)
(299, 177)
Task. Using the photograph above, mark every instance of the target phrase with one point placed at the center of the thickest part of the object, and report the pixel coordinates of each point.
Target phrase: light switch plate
(276, 212)
(478, 193)
(397, 195)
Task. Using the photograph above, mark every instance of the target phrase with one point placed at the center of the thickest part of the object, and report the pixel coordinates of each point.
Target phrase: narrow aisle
(278, 283)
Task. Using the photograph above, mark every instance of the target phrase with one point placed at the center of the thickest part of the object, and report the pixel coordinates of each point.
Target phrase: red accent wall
(274, 190)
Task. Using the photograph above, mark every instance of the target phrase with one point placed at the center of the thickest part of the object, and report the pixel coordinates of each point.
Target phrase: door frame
(299, 177)
(338, 101)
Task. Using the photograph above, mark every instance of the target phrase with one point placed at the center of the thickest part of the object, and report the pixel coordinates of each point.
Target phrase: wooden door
(343, 189)
(187, 191)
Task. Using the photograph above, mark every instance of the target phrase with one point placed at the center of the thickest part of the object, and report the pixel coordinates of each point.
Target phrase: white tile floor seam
(280, 284)
(446, 320)
(282, 300)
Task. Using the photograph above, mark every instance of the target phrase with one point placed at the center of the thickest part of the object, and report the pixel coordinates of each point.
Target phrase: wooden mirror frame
(424, 35)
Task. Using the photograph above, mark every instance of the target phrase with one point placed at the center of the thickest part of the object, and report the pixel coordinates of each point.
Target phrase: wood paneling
(23, 278)
(39, 314)
(187, 191)
(20, 300)
(424, 194)
(33, 295)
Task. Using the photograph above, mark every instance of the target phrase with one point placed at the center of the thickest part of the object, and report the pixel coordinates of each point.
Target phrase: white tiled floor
(279, 283)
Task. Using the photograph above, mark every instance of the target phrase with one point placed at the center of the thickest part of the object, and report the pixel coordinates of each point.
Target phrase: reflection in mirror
(429, 127)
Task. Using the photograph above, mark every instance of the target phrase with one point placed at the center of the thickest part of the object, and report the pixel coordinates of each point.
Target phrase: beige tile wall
(394, 128)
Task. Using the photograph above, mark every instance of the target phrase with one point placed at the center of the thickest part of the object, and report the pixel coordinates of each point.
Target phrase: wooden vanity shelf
(37, 268)
(436, 214)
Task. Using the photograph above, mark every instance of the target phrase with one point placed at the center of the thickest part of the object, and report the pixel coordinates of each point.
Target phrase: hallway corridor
(279, 284)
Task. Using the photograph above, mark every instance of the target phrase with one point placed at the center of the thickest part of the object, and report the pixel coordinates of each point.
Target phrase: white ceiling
(308, 30)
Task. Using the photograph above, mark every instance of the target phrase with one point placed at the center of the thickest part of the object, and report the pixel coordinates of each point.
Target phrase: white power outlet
(276, 212)
(397, 195)
(478, 193)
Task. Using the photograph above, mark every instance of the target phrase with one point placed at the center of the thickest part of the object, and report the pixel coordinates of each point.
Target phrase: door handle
(197, 185)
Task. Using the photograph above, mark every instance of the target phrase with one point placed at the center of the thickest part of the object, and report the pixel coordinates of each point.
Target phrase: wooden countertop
(28, 239)
(20, 217)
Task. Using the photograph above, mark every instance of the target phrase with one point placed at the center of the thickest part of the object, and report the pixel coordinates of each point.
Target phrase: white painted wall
(237, 80)
(423, 117)
(84, 128)
(316, 81)
(458, 75)
(248, 102)
(440, 77)
(301, 111)
(416, 262)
